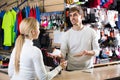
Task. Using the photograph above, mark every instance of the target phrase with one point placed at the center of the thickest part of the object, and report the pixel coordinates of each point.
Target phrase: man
(79, 44)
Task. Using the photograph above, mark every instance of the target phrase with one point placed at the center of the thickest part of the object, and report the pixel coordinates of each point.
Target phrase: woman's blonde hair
(26, 26)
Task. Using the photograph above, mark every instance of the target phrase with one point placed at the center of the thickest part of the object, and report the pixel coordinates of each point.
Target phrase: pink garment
(44, 24)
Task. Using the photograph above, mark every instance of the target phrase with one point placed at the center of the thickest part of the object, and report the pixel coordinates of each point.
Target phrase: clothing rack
(12, 3)
(54, 4)
(21, 3)
(43, 6)
(3, 5)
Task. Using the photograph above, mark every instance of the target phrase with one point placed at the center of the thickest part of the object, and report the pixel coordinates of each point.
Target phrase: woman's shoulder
(35, 47)
(36, 50)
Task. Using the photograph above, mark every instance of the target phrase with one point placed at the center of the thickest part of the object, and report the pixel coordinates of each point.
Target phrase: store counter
(111, 72)
(99, 73)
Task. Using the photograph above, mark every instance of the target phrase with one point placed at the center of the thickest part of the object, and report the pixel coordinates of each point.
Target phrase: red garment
(19, 18)
(32, 13)
(94, 3)
(106, 5)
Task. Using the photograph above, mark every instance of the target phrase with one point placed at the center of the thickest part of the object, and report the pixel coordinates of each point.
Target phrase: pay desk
(99, 73)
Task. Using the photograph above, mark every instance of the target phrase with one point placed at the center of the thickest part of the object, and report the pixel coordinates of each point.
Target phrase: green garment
(8, 26)
(14, 19)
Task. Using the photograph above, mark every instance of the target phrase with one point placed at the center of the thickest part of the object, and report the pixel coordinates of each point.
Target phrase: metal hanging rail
(3, 5)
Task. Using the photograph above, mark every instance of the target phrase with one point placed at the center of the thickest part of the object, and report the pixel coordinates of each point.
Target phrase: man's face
(75, 18)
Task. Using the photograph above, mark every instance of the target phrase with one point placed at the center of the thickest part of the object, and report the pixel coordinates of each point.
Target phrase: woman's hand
(53, 56)
(63, 63)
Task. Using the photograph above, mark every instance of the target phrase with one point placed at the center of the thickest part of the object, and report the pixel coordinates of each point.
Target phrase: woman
(26, 62)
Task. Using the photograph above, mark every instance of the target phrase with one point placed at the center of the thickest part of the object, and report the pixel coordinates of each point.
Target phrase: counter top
(99, 73)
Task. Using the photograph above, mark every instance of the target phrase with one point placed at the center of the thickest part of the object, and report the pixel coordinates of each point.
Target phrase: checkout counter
(111, 72)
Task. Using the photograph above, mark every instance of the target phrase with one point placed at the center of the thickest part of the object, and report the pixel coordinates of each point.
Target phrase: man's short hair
(76, 8)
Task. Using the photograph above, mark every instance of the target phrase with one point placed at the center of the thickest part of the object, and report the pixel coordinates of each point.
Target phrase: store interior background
(54, 21)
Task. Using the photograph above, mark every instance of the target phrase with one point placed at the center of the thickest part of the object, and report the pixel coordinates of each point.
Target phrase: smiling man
(79, 43)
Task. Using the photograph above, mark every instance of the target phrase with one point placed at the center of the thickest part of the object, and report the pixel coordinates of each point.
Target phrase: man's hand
(85, 52)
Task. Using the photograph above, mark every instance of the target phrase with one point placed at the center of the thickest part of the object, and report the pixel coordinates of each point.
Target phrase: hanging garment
(107, 4)
(38, 13)
(32, 13)
(8, 26)
(94, 3)
(19, 19)
(14, 20)
(1, 30)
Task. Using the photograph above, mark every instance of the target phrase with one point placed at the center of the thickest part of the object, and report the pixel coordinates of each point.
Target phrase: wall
(48, 5)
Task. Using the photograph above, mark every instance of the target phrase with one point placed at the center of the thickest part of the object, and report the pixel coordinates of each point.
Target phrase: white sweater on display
(31, 64)
(74, 42)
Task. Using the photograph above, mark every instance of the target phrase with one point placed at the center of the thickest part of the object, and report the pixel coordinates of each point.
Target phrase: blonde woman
(26, 60)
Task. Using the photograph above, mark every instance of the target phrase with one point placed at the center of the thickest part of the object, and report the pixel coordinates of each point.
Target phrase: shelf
(5, 71)
(5, 52)
(106, 64)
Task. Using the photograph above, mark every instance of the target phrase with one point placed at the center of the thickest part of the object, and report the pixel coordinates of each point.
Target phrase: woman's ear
(33, 32)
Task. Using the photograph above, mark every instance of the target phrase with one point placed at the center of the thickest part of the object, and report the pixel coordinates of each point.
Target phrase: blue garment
(106, 0)
(1, 30)
(102, 2)
(16, 9)
(38, 14)
(6, 47)
(2, 13)
(15, 25)
(27, 11)
(118, 23)
(15, 29)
